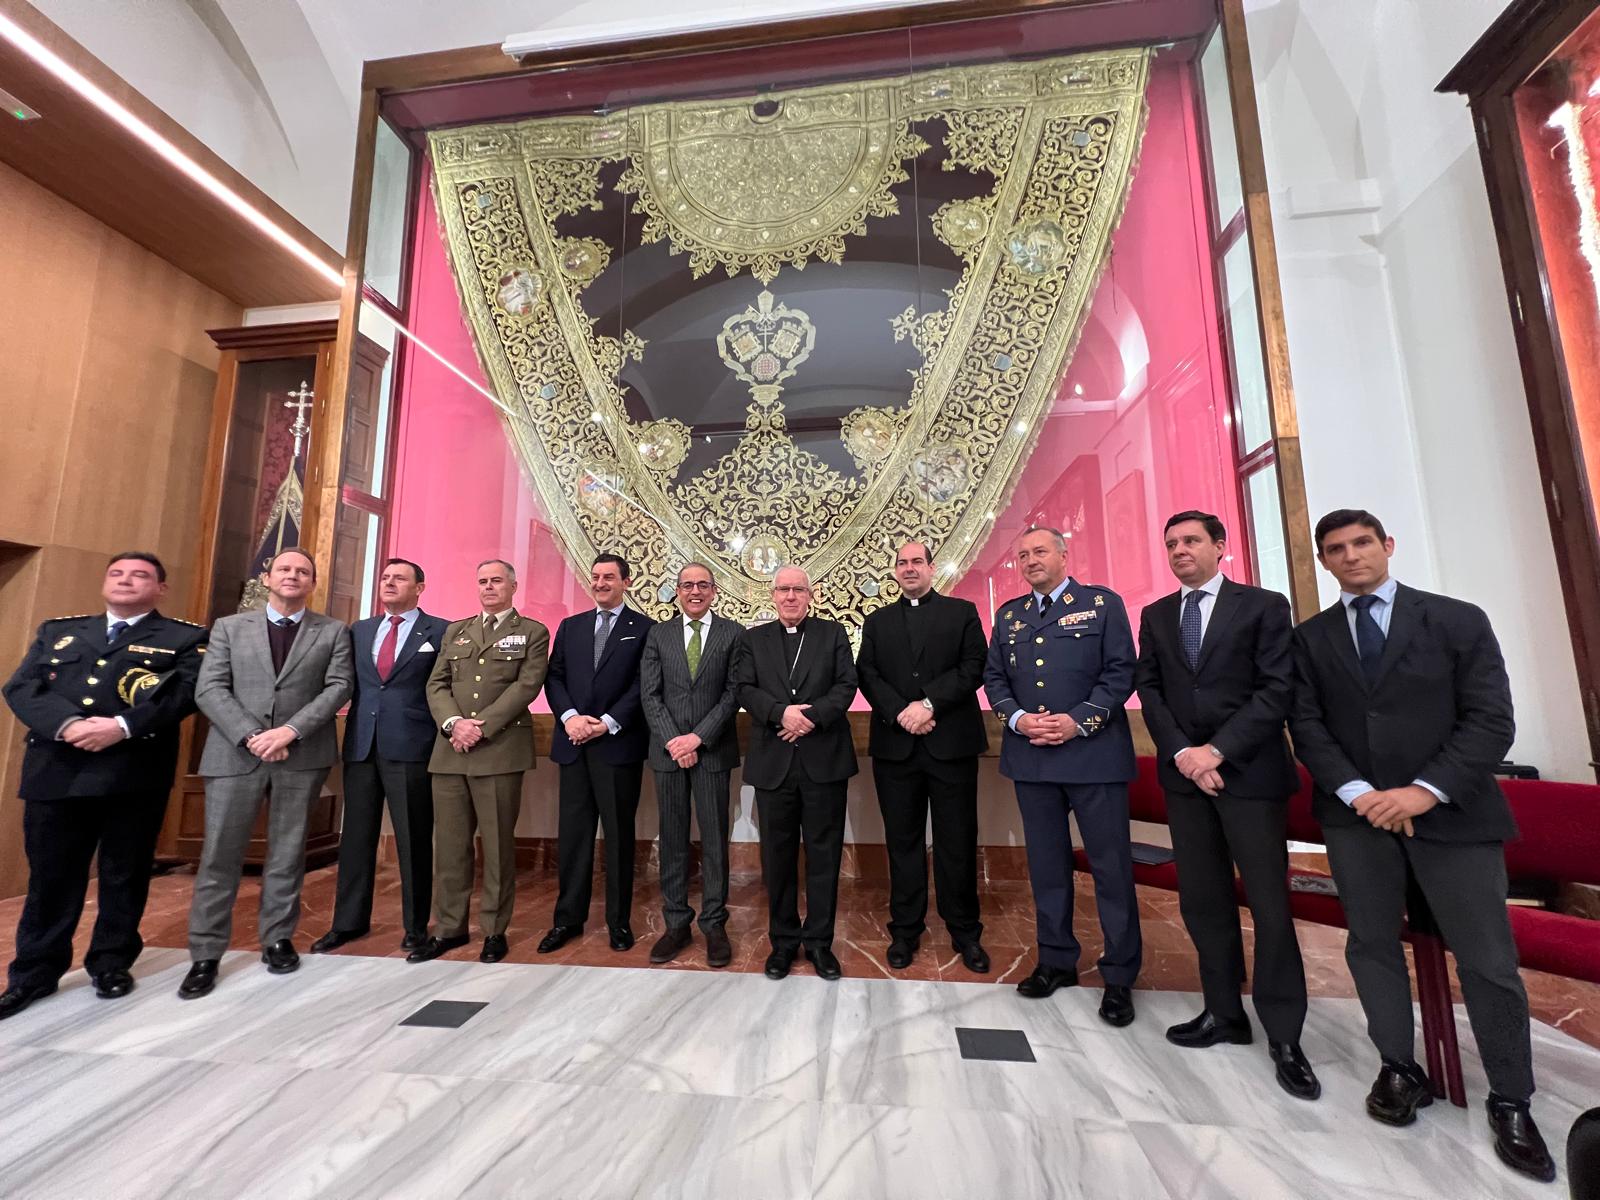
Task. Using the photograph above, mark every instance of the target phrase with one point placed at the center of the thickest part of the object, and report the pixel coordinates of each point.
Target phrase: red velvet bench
(1559, 843)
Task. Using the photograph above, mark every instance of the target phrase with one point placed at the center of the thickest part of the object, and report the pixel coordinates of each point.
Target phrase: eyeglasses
(797, 589)
(697, 586)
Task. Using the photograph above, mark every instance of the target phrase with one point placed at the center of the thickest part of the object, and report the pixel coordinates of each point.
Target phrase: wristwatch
(1214, 750)
(927, 704)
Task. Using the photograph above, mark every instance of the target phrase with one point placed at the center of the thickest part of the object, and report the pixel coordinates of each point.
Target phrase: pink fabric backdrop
(1140, 428)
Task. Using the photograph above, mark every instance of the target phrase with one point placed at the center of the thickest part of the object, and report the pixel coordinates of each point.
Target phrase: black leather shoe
(113, 984)
(1397, 1093)
(333, 939)
(200, 980)
(1517, 1140)
(558, 937)
(281, 957)
(973, 956)
(621, 937)
(494, 948)
(1045, 980)
(434, 947)
(14, 1000)
(719, 950)
(779, 962)
(411, 941)
(824, 961)
(670, 944)
(1294, 1073)
(901, 952)
(1209, 1030)
(1116, 1006)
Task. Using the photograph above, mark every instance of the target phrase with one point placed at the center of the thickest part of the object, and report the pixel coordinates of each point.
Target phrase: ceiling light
(16, 108)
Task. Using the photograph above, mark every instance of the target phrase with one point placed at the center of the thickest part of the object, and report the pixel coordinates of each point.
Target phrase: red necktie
(386, 651)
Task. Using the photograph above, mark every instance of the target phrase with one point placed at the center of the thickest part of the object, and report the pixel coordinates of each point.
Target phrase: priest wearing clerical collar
(797, 681)
(921, 665)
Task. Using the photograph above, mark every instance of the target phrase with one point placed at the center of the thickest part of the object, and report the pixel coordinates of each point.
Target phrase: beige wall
(106, 381)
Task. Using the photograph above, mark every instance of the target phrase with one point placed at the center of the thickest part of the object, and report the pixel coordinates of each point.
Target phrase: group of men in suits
(1396, 700)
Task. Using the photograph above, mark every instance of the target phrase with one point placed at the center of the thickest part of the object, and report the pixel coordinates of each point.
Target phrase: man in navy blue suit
(388, 736)
(1060, 669)
(600, 742)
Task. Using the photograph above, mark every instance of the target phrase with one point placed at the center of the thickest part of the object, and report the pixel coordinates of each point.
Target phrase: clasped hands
(271, 745)
(1047, 729)
(1199, 766)
(581, 729)
(465, 733)
(93, 733)
(795, 724)
(916, 718)
(685, 749)
(1394, 809)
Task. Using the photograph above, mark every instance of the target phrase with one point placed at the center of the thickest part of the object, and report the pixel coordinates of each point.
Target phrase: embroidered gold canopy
(631, 277)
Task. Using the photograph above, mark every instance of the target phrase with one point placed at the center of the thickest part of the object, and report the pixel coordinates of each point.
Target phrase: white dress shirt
(688, 629)
(408, 622)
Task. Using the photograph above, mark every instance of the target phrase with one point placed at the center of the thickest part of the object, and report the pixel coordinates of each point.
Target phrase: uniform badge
(1066, 597)
(511, 641)
(463, 640)
(1027, 604)
(1018, 626)
(1008, 614)
(150, 650)
(62, 643)
(134, 683)
(1099, 601)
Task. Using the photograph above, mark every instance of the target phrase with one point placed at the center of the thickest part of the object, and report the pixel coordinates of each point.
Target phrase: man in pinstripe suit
(687, 688)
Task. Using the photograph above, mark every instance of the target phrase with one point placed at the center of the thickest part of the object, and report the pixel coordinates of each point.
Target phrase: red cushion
(1557, 943)
(1560, 830)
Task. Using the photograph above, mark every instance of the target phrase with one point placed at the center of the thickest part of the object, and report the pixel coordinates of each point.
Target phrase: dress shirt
(1208, 601)
(612, 724)
(112, 619)
(1381, 612)
(705, 630)
(408, 622)
(495, 619)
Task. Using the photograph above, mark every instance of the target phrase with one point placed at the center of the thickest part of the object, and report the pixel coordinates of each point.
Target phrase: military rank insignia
(135, 682)
(1099, 601)
(463, 640)
(63, 643)
(1077, 618)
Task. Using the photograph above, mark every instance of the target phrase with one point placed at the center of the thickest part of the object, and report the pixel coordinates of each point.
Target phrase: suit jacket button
(915, 675)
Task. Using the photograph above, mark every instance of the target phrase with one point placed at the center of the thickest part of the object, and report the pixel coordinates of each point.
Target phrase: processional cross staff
(300, 401)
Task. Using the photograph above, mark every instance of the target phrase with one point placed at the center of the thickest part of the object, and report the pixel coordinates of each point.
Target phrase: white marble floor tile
(724, 1034)
(1200, 1162)
(958, 1154)
(75, 1006)
(895, 1043)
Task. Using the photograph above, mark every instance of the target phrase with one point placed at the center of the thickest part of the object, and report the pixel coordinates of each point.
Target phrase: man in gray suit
(271, 684)
(690, 698)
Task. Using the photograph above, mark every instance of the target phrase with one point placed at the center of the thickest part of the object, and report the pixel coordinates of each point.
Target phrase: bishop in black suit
(797, 682)
(1402, 710)
(920, 667)
(1215, 678)
(388, 738)
(600, 741)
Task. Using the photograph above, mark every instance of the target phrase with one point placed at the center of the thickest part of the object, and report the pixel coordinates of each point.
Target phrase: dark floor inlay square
(445, 1014)
(995, 1045)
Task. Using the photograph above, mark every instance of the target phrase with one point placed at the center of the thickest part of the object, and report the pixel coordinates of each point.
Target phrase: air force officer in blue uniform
(1060, 668)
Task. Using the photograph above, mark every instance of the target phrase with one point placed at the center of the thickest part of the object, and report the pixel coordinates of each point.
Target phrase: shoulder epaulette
(181, 621)
(78, 617)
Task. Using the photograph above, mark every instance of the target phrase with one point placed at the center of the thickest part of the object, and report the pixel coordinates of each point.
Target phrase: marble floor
(575, 1081)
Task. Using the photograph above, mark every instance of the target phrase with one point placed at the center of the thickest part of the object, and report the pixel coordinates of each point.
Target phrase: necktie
(694, 649)
(600, 637)
(1369, 636)
(1189, 628)
(1044, 605)
(118, 628)
(391, 641)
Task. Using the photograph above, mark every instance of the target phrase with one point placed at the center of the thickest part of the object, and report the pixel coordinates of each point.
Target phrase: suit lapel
(1402, 624)
(1336, 629)
(414, 639)
(1223, 609)
(261, 641)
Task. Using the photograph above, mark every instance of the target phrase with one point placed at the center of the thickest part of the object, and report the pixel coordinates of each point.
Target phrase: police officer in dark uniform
(1060, 669)
(102, 697)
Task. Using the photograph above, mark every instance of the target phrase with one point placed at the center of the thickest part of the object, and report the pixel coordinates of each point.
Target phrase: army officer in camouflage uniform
(1060, 668)
(489, 670)
(102, 697)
